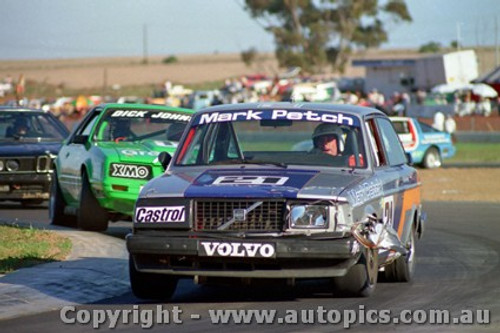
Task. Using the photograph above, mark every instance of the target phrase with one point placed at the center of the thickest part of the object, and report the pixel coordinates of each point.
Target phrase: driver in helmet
(19, 129)
(328, 139)
(120, 129)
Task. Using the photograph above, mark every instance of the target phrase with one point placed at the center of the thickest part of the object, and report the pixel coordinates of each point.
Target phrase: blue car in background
(201, 99)
(30, 140)
(426, 145)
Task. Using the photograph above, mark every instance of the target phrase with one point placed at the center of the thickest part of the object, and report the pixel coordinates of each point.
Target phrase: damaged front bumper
(293, 257)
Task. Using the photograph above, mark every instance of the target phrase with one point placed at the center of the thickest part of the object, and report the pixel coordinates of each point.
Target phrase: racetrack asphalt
(450, 277)
(96, 268)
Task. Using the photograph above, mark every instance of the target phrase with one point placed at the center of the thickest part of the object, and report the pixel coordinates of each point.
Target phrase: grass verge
(468, 152)
(24, 247)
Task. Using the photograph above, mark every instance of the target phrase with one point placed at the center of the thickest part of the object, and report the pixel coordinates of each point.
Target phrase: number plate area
(236, 249)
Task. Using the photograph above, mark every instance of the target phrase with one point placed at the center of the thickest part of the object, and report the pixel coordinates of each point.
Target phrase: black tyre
(432, 159)
(151, 286)
(31, 202)
(57, 205)
(91, 216)
(361, 279)
(403, 268)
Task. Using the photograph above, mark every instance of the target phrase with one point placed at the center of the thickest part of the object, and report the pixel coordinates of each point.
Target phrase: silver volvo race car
(244, 197)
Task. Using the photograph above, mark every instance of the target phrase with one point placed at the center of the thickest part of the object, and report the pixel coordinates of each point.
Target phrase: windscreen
(137, 125)
(29, 126)
(271, 137)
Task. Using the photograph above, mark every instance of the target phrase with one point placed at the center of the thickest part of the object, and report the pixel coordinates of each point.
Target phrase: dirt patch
(190, 69)
(457, 184)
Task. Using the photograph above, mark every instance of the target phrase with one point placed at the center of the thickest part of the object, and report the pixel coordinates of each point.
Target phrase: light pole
(145, 44)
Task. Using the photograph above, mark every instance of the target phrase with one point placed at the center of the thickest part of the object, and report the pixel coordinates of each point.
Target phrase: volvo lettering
(235, 249)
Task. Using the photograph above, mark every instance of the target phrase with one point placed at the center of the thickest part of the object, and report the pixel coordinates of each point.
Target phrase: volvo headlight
(1, 165)
(309, 217)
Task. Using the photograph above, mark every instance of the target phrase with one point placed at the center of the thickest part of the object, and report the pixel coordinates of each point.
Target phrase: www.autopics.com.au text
(162, 315)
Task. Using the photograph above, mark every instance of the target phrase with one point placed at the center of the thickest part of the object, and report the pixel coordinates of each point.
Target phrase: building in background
(410, 74)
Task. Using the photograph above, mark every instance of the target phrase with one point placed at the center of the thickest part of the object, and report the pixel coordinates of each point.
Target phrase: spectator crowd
(260, 88)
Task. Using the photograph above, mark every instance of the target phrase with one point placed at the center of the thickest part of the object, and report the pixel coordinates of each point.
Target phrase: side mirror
(409, 159)
(80, 139)
(164, 159)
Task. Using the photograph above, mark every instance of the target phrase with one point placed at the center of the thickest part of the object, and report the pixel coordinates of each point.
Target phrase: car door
(401, 190)
(73, 155)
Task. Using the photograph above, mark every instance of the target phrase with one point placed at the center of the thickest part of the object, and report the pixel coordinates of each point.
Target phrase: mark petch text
(300, 115)
(147, 317)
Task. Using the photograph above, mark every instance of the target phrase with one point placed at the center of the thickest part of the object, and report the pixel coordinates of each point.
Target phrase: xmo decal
(130, 171)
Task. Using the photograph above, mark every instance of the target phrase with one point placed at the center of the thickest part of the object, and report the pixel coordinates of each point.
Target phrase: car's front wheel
(361, 279)
(57, 205)
(403, 268)
(149, 285)
(432, 159)
(91, 216)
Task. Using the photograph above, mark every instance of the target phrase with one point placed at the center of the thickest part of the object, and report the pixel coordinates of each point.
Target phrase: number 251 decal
(388, 213)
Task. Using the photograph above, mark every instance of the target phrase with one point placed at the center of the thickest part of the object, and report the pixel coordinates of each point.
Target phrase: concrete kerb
(97, 268)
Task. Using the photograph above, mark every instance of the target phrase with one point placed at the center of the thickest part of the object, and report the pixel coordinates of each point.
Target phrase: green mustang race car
(106, 160)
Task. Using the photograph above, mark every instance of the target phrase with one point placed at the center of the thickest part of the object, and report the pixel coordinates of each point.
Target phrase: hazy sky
(37, 29)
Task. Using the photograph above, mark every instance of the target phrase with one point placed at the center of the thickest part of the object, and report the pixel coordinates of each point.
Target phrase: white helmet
(329, 129)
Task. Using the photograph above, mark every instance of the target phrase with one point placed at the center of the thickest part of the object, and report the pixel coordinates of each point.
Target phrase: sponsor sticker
(160, 214)
(133, 152)
(250, 180)
(129, 113)
(236, 249)
(366, 191)
(172, 116)
(150, 114)
(388, 210)
(130, 171)
(277, 114)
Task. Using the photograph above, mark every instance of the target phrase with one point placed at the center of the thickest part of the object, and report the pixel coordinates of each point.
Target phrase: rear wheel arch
(437, 148)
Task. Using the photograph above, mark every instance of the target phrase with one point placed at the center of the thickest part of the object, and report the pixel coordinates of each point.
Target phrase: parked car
(200, 99)
(29, 141)
(426, 145)
(236, 201)
(107, 159)
(312, 92)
